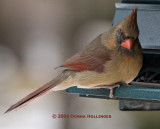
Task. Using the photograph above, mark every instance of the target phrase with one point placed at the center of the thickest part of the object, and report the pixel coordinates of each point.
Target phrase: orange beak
(128, 43)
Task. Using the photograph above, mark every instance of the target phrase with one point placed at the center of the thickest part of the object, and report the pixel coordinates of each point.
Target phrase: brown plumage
(114, 57)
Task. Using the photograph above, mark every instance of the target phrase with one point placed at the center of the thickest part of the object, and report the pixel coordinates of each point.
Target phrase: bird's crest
(133, 18)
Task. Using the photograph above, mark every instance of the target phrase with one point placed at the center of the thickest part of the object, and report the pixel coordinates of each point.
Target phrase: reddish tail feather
(41, 91)
(37, 93)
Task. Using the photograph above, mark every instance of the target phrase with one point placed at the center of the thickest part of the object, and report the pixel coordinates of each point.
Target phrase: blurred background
(35, 37)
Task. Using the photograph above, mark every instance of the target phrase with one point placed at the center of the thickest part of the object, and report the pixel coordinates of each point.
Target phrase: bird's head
(124, 35)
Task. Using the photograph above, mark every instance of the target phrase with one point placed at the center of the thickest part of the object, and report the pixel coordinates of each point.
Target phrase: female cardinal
(112, 58)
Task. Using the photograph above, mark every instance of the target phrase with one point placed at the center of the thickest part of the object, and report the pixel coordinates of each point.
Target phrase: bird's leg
(111, 87)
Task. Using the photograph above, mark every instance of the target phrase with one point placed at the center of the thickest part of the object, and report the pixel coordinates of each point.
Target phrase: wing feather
(91, 58)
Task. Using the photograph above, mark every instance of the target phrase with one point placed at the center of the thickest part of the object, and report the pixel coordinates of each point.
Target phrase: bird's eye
(136, 39)
(120, 35)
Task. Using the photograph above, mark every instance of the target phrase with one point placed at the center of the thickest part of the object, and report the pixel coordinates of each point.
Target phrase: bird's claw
(111, 87)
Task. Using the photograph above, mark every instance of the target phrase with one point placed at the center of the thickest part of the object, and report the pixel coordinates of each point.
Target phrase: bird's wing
(91, 58)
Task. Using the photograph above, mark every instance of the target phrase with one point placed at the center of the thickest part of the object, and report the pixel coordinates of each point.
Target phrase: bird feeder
(144, 92)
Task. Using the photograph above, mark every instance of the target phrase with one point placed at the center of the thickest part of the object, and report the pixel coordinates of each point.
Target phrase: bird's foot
(111, 87)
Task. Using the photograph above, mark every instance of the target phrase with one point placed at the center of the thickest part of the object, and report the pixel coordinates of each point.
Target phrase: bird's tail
(46, 88)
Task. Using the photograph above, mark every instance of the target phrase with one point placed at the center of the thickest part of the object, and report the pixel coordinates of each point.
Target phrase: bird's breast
(125, 68)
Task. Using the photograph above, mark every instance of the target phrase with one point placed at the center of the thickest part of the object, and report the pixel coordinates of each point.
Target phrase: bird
(111, 59)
